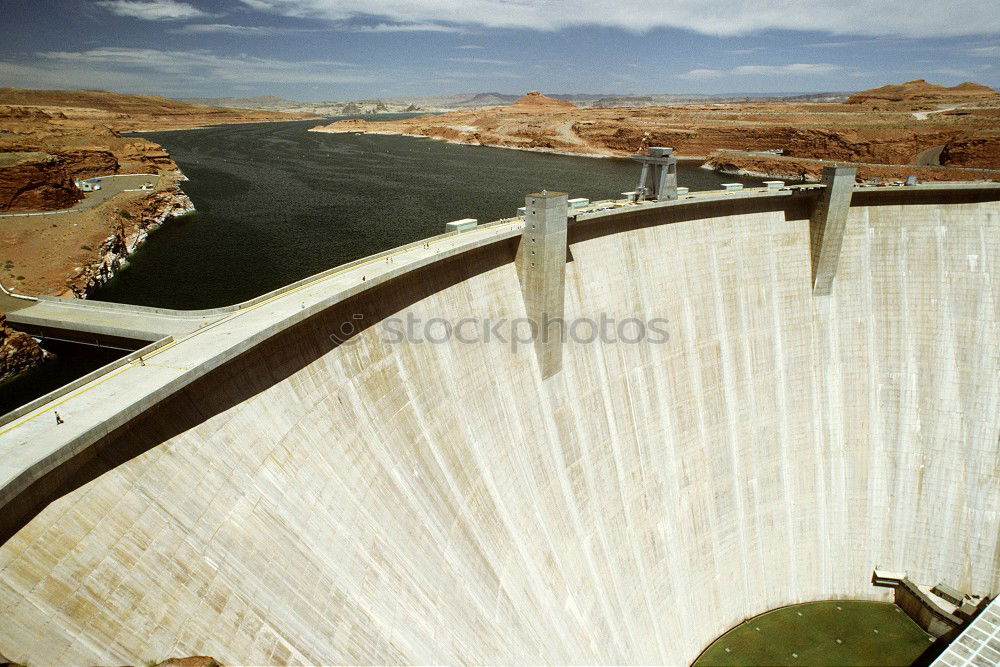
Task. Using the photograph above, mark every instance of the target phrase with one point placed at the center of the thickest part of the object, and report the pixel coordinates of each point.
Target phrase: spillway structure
(297, 481)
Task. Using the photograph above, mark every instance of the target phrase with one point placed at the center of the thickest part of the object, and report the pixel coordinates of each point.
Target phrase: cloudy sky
(348, 49)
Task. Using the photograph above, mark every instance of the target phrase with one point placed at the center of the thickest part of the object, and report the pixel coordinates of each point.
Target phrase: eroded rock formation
(36, 181)
(536, 99)
(74, 134)
(972, 152)
(191, 661)
(133, 223)
(18, 351)
(833, 131)
(921, 92)
(809, 169)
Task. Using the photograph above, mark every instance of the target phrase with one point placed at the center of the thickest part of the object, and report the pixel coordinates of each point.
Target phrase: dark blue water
(277, 203)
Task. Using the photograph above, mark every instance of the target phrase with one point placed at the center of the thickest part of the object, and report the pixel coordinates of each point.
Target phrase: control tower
(659, 164)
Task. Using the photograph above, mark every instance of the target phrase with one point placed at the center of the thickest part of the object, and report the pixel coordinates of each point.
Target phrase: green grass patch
(870, 633)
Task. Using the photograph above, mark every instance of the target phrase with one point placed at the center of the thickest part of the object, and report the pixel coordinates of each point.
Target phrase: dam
(285, 484)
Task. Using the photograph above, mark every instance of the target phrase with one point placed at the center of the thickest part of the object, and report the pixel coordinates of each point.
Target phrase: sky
(337, 50)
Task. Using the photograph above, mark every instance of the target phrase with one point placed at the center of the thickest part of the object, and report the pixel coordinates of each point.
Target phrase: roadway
(98, 321)
(110, 186)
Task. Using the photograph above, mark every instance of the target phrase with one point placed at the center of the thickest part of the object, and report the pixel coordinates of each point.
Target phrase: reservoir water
(276, 203)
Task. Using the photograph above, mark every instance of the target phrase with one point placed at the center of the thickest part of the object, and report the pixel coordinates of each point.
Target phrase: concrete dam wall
(382, 502)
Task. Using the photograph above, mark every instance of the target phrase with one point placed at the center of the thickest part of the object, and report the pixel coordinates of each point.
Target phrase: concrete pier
(658, 179)
(827, 225)
(541, 269)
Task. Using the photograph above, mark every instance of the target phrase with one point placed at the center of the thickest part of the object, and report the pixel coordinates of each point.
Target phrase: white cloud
(843, 45)
(796, 68)
(152, 10)
(480, 61)
(169, 68)
(267, 31)
(918, 18)
(68, 75)
(470, 46)
(697, 74)
(986, 51)
(228, 29)
(953, 72)
(765, 70)
(220, 28)
(402, 27)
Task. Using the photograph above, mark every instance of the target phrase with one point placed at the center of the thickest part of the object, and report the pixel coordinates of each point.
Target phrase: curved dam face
(410, 502)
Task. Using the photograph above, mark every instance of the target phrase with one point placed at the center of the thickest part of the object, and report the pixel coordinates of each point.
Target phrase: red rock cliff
(36, 182)
(18, 351)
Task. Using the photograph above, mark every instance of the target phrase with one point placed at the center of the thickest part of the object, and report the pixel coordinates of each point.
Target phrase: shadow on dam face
(314, 502)
(267, 364)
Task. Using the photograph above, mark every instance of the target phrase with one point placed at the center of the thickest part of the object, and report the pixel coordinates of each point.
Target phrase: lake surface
(277, 203)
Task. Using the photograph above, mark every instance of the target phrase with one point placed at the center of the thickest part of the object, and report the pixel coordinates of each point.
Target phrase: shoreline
(116, 249)
(620, 155)
(759, 165)
(211, 125)
(70, 253)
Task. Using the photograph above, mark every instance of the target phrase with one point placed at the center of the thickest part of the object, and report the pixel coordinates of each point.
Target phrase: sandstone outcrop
(191, 661)
(810, 130)
(90, 162)
(120, 111)
(36, 181)
(535, 99)
(133, 223)
(808, 169)
(18, 351)
(920, 91)
(73, 134)
(972, 152)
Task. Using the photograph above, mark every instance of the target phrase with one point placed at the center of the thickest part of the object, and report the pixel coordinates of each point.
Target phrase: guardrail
(80, 381)
(16, 296)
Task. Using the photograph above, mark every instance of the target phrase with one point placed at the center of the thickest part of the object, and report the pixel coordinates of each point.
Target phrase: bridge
(281, 430)
(98, 323)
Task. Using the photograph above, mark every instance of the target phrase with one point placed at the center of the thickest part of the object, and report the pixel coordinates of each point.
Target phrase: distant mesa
(919, 90)
(488, 100)
(535, 100)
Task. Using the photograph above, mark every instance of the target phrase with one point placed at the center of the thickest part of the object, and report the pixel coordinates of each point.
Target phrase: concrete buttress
(541, 268)
(827, 226)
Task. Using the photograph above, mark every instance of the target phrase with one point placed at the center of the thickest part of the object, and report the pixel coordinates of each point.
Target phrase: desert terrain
(899, 125)
(478, 100)
(51, 139)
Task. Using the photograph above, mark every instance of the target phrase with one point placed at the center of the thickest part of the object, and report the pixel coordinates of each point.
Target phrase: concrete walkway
(89, 321)
(99, 319)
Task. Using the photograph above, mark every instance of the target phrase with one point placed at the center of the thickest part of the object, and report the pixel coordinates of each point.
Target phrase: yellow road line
(176, 368)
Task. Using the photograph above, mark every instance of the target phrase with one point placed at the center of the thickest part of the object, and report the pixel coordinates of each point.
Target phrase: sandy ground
(39, 252)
